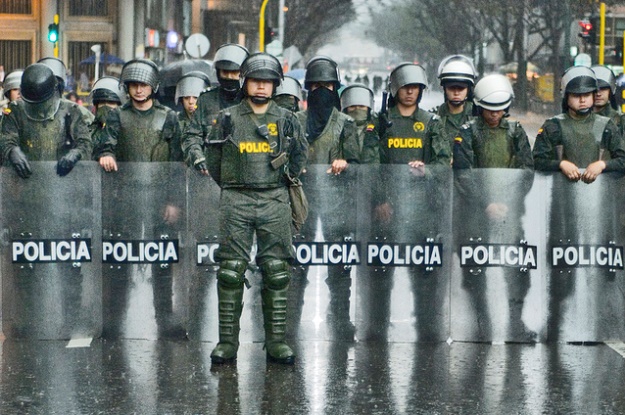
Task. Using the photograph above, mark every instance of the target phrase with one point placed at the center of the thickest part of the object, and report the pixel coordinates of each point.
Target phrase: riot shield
(203, 230)
(51, 275)
(404, 285)
(498, 222)
(143, 225)
(584, 260)
(328, 250)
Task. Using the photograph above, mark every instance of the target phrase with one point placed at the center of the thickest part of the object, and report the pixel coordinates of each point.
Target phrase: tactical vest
(582, 139)
(246, 156)
(495, 153)
(320, 151)
(141, 136)
(47, 140)
(407, 138)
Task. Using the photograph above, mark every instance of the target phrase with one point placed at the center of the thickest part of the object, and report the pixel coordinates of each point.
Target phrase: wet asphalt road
(176, 377)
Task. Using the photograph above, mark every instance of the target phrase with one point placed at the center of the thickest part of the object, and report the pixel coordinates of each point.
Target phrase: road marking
(617, 346)
(79, 342)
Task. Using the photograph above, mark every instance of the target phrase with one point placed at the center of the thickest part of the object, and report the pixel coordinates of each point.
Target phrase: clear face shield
(43, 111)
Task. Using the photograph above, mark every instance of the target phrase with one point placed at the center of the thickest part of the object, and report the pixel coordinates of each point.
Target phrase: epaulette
(436, 117)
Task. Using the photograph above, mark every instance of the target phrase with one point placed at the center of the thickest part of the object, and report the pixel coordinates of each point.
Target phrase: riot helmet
(12, 81)
(140, 70)
(39, 92)
(493, 92)
(578, 80)
(457, 69)
(356, 94)
(261, 66)
(229, 57)
(605, 77)
(58, 68)
(407, 74)
(322, 69)
(290, 86)
(191, 84)
(606, 80)
(106, 89)
(289, 93)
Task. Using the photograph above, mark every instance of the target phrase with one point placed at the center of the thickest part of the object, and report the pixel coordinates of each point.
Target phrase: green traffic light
(53, 32)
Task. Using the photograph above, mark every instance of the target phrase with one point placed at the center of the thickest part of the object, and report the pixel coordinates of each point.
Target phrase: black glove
(201, 167)
(20, 162)
(67, 162)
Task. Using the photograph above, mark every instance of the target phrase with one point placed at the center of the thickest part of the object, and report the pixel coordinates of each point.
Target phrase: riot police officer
(422, 132)
(579, 138)
(42, 127)
(142, 130)
(255, 150)
(227, 62)
(357, 102)
(457, 77)
(289, 94)
(60, 71)
(106, 95)
(605, 98)
(326, 128)
(414, 137)
(492, 141)
(328, 132)
(188, 89)
(11, 85)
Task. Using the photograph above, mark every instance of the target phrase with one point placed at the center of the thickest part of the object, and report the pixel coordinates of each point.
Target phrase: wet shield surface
(498, 227)
(584, 253)
(51, 273)
(143, 226)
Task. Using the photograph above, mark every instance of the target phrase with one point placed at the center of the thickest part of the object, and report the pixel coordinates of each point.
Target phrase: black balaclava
(321, 102)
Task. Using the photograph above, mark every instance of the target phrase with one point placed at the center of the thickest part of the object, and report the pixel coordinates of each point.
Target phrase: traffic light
(269, 34)
(587, 32)
(53, 32)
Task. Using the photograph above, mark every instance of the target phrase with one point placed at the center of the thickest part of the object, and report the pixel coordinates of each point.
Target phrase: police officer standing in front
(253, 151)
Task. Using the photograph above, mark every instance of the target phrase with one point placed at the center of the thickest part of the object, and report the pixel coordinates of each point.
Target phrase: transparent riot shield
(143, 225)
(203, 229)
(404, 280)
(584, 259)
(51, 275)
(328, 252)
(498, 228)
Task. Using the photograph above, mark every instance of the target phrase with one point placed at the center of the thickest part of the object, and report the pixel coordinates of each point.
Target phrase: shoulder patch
(6, 111)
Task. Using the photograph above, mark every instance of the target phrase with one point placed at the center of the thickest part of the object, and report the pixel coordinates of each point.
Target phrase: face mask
(359, 115)
(230, 85)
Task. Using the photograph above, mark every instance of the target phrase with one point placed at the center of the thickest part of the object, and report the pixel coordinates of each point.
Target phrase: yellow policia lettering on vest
(254, 147)
(405, 143)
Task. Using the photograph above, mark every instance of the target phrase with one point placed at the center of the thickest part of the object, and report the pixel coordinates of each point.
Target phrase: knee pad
(276, 274)
(231, 273)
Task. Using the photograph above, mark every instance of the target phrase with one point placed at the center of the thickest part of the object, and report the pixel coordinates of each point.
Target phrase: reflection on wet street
(175, 377)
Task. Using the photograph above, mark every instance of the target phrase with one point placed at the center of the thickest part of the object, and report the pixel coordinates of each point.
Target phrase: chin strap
(259, 100)
(584, 111)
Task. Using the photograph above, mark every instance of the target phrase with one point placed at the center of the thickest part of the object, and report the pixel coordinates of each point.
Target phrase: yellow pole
(601, 33)
(58, 35)
(261, 26)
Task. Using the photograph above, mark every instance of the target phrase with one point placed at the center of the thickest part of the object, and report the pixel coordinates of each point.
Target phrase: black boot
(274, 313)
